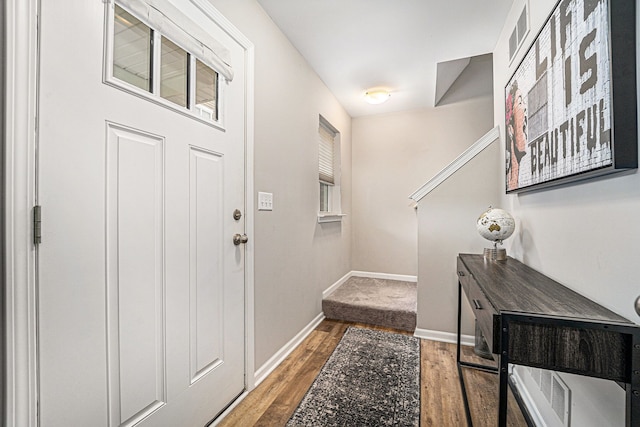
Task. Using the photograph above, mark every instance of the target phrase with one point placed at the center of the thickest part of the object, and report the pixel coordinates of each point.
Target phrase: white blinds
(326, 148)
(164, 17)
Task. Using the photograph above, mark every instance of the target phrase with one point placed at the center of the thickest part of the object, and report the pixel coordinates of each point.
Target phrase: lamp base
(494, 254)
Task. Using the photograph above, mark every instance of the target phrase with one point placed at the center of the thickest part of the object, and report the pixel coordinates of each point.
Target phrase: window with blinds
(159, 52)
(326, 148)
(328, 168)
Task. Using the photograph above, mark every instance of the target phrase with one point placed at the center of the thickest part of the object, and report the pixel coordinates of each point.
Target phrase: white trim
(470, 153)
(249, 218)
(163, 16)
(271, 365)
(208, 9)
(330, 217)
(155, 98)
(448, 337)
(400, 277)
(524, 36)
(153, 95)
(282, 354)
(336, 285)
(21, 387)
(371, 275)
(526, 397)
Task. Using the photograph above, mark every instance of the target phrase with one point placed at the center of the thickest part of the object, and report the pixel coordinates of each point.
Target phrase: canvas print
(557, 104)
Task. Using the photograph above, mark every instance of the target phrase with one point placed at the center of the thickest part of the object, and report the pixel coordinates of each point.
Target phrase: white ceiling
(355, 45)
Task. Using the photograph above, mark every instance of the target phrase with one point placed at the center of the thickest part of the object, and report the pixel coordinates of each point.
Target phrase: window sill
(330, 217)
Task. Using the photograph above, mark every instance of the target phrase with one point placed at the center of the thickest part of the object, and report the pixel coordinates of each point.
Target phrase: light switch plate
(265, 201)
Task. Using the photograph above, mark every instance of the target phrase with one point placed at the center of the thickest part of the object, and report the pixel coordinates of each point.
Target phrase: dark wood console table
(529, 319)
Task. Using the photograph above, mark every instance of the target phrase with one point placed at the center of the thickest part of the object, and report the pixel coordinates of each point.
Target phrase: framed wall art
(570, 106)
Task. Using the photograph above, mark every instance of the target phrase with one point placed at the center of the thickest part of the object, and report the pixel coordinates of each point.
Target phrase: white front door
(140, 285)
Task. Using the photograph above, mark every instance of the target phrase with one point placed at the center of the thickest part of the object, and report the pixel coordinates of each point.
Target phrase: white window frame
(334, 214)
(154, 94)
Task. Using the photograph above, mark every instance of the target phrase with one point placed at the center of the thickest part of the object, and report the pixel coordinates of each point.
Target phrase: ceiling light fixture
(377, 96)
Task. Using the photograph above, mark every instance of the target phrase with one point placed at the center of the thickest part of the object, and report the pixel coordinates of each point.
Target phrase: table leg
(503, 374)
(459, 321)
(633, 389)
(502, 396)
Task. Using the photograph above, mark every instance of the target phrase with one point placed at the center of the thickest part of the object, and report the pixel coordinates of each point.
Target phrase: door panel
(135, 277)
(140, 288)
(206, 190)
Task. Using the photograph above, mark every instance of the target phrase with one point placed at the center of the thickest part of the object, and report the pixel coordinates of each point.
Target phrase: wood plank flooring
(274, 400)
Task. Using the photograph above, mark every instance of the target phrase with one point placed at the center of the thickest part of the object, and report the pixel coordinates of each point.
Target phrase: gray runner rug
(371, 379)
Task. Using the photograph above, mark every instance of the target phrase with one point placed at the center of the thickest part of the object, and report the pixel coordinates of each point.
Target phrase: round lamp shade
(376, 96)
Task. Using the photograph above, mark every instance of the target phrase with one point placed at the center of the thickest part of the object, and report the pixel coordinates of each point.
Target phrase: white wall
(586, 236)
(295, 257)
(394, 155)
(447, 226)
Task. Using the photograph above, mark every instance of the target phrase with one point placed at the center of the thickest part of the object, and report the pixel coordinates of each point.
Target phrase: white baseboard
(277, 358)
(335, 286)
(527, 398)
(281, 354)
(448, 337)
(401, 277)
(271, 364)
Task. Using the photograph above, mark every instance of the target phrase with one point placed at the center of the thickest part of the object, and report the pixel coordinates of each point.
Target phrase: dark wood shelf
(513, 286)
(530, 319)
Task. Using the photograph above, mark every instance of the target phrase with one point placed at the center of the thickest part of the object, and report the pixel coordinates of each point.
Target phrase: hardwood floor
(274, 400)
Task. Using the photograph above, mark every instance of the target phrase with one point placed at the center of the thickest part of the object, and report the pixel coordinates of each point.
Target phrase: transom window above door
(170, 61)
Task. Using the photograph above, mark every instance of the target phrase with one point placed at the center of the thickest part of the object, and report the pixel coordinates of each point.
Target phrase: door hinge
(37, 225)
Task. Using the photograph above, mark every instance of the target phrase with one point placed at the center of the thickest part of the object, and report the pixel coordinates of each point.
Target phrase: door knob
(240, 238)
(638, 306)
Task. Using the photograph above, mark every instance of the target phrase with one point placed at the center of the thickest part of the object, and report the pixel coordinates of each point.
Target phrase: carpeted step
(382, 302)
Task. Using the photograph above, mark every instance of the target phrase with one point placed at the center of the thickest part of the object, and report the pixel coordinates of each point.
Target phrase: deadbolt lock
(237, 214)
(240, 238)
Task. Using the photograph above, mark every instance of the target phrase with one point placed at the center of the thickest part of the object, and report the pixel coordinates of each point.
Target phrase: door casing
(19, 195)
(2, 206)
